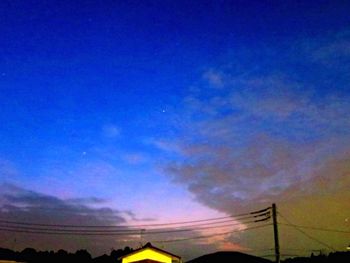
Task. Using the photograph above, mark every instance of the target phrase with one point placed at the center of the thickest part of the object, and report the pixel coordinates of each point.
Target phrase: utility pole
(275, 233)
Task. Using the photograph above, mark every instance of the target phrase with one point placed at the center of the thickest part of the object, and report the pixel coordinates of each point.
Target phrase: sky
(146, 112)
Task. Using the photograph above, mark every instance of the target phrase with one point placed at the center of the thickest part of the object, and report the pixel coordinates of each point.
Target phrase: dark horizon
(31, 255)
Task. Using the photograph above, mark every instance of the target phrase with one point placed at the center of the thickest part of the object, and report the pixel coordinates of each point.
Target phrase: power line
(89, 233)
(271, 249)
(40, 226)
(261, 211)
(212, 235)
(298, 249)
(212, 225)
(119, 226)
(120, 232)
(237, 217)
(307, 235)
(282, 255)
(317, 228)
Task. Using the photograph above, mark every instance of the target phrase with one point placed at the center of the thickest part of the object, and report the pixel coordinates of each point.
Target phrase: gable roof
(147, 261)
(150, 246)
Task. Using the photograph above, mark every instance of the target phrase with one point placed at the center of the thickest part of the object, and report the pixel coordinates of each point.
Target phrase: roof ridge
(150, 246)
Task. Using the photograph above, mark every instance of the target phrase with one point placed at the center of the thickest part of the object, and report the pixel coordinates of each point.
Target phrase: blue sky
(212, 106)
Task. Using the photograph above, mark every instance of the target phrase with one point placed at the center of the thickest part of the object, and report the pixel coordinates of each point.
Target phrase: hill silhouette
(30, 255)
(228, 257)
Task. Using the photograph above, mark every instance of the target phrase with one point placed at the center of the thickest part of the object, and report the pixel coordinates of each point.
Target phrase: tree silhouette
(82, 255)
(30, 255)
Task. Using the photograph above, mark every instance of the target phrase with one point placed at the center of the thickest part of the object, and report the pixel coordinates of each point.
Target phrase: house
(150, 254)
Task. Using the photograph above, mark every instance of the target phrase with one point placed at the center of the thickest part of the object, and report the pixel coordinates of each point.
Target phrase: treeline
(335, 257)
(30, 255)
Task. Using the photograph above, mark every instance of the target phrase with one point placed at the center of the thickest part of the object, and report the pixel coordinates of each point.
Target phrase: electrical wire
(152, 230)
(34, 228)
(87, 233)
(306, 234)
(232, 217)
(317, 228)
(40, 227)
(122, 232)
(282, 255)
(212, 235)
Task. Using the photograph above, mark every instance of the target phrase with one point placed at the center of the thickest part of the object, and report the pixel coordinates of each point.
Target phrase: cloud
(89, 200)
(335, 50)
(101, 175)
(257, 138)
(111, 131)
(22, 205)
(92, 174)
(134, 158)
(164, 145)
(223, 177)
(268, 137)
(273, 95)
(28, 205)
(214, 78)
(331, 51)
(8, 170)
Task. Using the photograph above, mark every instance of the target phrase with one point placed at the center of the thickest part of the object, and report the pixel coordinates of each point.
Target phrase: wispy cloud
(134, 158)
(164, 145)
(265, 137)
(273, 95)
(111, 131)
(227, 155)
(8, 170)
(22, 205)
(215, 78)
(337, 49)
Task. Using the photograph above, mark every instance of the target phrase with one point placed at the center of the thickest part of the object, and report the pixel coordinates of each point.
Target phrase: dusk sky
(151, 112)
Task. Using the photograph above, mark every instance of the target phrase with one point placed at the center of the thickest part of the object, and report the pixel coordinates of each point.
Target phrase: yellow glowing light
(148, 253)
